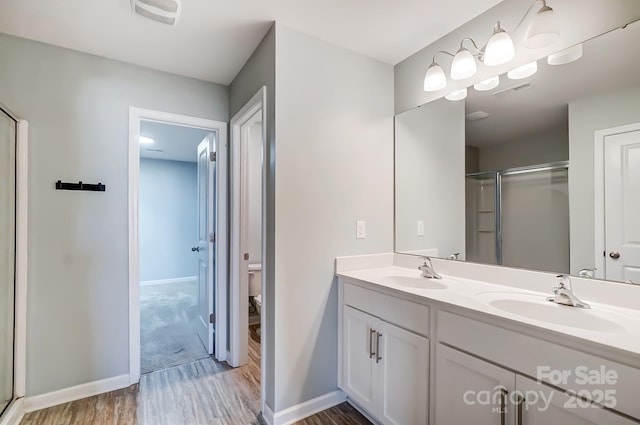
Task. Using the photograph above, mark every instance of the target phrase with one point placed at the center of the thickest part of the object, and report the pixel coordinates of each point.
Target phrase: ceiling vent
(477, 115)
(164, 11)
(512, 89)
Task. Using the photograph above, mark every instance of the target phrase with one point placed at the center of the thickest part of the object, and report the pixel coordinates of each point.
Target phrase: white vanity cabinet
(385, 368)
(472, 391)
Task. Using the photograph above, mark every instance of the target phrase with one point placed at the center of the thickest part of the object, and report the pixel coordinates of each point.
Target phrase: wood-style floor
(205, 392)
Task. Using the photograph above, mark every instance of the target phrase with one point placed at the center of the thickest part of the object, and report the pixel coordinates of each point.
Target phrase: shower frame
(498, 175)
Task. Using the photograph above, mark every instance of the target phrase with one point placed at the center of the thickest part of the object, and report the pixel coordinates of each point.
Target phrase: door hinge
(246, 256)
(212, 156)
(212, 318)
(212, 237)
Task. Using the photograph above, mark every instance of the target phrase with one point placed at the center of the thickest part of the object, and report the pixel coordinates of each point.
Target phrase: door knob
(615, 255)
(195, 249)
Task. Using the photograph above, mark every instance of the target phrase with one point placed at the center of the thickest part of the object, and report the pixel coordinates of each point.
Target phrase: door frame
(239, 319)
(136, 115)
(598, 186)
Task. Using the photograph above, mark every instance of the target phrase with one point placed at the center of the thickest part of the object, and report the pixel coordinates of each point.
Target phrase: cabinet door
(402, 361)
(469, 390)
(358, 344)
(546, 406)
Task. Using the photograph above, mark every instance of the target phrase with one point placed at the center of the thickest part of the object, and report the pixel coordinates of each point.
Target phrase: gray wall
(168, 219)
(77, 106)
(260, 70)
(430, 168)
(581, 19)
(585, 117)
(334, 166)
(551, 145)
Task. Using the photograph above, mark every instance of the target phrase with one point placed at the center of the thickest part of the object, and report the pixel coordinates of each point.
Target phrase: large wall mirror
(541, 171)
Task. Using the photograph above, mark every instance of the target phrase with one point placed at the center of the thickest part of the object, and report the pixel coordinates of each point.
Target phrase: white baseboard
(308, 408)
(77, 392)
(267, 414)
(14, 413)
(187, 279)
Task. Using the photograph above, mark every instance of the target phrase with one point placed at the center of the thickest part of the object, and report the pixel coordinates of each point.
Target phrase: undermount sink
(536, 307)
(413, 279)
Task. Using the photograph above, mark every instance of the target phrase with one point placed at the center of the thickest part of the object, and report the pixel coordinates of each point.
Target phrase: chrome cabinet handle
(520, 402)
(615, 255)
(378, 357)
(371, 352)
(503, 406)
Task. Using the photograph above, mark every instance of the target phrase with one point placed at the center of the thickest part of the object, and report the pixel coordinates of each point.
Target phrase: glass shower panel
(7, 255)
(481, 218)
(535, 220)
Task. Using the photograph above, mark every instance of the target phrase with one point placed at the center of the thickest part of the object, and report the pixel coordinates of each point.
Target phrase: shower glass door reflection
(481, 218)
(7, 255)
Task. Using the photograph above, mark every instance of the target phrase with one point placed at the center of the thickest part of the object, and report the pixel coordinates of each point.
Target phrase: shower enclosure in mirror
(519, 217)
(523, 173)
(7, 254)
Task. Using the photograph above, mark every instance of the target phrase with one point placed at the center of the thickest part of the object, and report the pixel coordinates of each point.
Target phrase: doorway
(247, 246)
(617, 184)
(177, 267)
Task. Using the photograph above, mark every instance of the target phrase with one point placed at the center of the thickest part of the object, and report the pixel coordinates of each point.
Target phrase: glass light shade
(566, 56)
(523, 71)
(489, 84)
(544, 29)
(457, 95)
(146, 140)
(499, 49)
(464, 65)
(435, 79)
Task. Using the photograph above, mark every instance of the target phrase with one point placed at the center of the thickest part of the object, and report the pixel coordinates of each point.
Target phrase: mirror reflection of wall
(530, 161)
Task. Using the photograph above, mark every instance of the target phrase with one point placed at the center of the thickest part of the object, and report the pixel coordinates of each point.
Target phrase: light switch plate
(361, 229)
(420, 228)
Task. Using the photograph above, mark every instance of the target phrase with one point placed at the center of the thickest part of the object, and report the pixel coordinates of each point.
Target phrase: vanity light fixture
(488, 84)
(146, 140)
(500, 48)
(566, 56)
(523, 71)
(543, 30)
(457, 95)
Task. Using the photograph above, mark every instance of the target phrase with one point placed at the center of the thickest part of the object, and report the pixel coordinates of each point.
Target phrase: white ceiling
(610, 62)
(214, 38)
(172, 142)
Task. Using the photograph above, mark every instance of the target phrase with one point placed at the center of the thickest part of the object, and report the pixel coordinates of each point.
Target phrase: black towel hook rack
(60, 185)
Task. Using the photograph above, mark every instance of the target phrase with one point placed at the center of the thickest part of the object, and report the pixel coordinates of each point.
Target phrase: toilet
(255, 286)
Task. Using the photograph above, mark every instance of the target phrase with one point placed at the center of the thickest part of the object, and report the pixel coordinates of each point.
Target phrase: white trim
(238, 337)
(22, 193)
(267, 414)
(77, 392)
(14, 413)
(598, 192)
(135, 116)
(176, 280)
(308, 408)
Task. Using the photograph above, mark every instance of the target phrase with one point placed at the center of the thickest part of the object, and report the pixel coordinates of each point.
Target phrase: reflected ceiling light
(523, 71)
(435, 79)
(489, 84)
(566, 56)
(464, 65)
(146, 140)
(500, 48)
(544, 28)
(457, 95)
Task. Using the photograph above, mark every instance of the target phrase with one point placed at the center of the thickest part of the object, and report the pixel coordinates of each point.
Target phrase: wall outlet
(420, 228)
(361, 229)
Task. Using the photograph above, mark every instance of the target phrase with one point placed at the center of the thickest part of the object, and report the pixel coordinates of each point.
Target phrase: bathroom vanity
(459, 350)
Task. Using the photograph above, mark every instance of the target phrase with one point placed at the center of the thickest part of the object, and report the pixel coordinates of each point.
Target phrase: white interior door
(204, 247)
(622, 207)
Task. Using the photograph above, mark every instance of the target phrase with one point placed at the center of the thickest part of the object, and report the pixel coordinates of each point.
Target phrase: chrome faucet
(427, 269)
(563, 293)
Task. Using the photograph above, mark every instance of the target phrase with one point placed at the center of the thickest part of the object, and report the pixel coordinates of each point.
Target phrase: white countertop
(609, 325)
